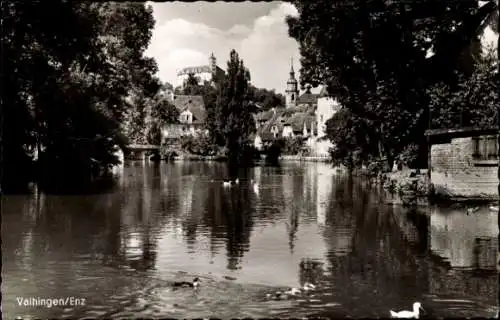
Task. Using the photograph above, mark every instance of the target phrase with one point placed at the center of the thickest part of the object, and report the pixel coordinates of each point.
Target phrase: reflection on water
(122, 249)
(466, 241)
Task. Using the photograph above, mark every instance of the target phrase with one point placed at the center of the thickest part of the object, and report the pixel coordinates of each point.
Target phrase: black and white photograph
(256, 159)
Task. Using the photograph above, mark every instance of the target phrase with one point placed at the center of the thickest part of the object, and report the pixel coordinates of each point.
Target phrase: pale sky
(186, 33)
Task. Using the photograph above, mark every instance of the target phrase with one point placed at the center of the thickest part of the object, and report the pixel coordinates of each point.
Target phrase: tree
(268, 99)
(66, 86)
(372, 56)
(191, 85)
(351, 136)
(472, 102)
(162, 113)
(232, 119)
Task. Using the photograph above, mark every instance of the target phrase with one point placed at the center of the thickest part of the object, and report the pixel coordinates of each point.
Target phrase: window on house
(485, 148)
(321, 118)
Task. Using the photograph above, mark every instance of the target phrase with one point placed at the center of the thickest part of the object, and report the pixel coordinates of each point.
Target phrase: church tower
(212, 63)
(292, 91)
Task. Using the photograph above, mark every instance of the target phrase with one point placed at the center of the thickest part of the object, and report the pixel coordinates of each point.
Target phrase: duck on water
(228, 183)
(187, 284)
(282, 295)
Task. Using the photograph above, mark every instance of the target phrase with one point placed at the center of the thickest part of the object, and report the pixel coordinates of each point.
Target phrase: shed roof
(442, 135)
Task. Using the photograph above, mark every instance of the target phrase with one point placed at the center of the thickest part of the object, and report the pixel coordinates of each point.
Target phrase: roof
(297, 121)
(323, 92)
(308, 98)
(302, 108)
(284, 117)
(444, 135)
(197, 69)
(464, 132)
(274, 120)
(265, 115)
(194, 104)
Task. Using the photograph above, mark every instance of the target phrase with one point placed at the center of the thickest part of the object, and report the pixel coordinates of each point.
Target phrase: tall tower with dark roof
(212, 63)
(292, 91)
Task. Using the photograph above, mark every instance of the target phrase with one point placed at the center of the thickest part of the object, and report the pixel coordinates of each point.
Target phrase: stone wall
(455, 173)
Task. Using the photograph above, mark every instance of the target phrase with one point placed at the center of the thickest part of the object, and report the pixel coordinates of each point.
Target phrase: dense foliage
(242, 100)
(67, 86)
(472, 102)
(266, 99)
(293, 145)
(373, 57)
(232, 112)
(199, 145)
(162, 112)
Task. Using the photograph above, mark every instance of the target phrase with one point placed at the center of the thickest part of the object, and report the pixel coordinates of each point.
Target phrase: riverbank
(413, 187)
(305, 158)
(410, 185)
(195, 157)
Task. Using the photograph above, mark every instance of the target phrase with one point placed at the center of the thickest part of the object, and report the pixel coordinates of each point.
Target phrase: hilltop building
(210, 72)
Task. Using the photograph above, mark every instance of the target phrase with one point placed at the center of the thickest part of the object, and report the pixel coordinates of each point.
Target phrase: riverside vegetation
(67, 107)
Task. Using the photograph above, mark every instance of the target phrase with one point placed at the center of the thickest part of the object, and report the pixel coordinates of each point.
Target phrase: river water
(117, 253)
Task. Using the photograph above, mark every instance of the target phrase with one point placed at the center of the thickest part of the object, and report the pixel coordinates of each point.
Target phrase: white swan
(308, 286)
(255, 187)
(293, 291)
(408, 314)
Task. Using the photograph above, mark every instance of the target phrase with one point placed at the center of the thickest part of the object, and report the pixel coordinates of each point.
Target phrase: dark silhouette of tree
(267, 99)
(191, 85)
(162, 112)
(373, 58)
(65, 86)
(472, 102)
(232, 120)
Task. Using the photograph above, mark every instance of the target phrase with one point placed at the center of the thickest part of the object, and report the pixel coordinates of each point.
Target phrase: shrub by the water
(199, 144)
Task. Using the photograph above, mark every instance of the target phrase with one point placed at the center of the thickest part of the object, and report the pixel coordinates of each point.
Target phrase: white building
(210, 72)
(326, 108)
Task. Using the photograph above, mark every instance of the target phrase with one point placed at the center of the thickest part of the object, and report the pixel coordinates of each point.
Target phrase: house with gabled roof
(308, 99)
(192, 116)
(300, 124)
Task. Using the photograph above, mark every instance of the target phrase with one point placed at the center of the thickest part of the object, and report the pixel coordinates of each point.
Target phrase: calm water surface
(121, 250)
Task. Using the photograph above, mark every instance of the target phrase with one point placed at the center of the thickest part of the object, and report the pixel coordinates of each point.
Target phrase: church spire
(291, 92)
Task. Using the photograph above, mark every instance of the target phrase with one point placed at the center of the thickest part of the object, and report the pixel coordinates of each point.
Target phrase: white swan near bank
(255, 187)
(408, 314)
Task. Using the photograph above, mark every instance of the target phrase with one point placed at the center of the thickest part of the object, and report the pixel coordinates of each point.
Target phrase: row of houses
(462, 163)
(306, 119)
(303, 115)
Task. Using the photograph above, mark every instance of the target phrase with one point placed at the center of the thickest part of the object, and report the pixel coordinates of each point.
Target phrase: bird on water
(417, 306)
(187, 284)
